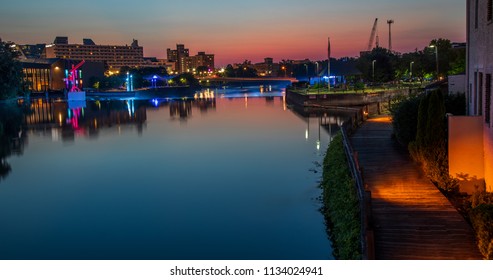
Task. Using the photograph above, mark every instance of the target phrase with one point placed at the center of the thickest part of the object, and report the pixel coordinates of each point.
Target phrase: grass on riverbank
(341, 206)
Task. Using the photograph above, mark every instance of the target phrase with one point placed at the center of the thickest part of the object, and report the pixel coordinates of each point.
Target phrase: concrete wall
(341, 100)
(456, 84)
(488, 158)
(480, 64)
(466, 155)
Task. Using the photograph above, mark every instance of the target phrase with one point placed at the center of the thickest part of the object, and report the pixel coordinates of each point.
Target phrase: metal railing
(364, 197)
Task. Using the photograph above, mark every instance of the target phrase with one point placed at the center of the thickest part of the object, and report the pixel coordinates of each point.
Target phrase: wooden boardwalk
(412, 219)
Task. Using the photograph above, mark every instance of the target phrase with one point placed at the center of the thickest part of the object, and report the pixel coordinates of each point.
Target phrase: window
(476, 14)
(480, 94)
(487, 99)
(475, 93)
(490, 11)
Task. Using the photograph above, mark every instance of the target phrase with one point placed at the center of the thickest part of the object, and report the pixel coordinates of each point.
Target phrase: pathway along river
(218, 178)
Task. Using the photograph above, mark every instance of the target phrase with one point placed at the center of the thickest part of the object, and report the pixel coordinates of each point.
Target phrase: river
(234, 177)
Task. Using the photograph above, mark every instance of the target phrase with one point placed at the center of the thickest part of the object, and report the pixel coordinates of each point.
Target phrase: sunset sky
(235, 30)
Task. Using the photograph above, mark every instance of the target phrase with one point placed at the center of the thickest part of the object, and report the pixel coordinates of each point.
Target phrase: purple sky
(237, 30)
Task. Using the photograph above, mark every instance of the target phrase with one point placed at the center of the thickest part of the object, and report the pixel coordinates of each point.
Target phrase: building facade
(49, 75)
(267, 68)
(113, 56)
(471, 159)
(185, 63)
(179, 57)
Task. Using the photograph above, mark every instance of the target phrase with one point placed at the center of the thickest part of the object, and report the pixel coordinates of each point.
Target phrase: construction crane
(373, 36)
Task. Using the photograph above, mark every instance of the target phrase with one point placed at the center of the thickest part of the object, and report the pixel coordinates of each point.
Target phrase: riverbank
(341, 205)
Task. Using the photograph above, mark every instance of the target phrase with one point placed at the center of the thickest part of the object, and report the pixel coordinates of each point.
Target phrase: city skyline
(236, 31)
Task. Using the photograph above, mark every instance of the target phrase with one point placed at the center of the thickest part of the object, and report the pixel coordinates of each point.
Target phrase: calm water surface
(220, 178)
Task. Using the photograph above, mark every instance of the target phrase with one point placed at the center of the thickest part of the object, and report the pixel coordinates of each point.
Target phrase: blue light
(155, 77)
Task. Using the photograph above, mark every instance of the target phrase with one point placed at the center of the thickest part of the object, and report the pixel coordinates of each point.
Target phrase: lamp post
(308, 77)
(318, 78)
(128, 81)
(373, 70)
(411, 70)
(154, 80)
(436, 57)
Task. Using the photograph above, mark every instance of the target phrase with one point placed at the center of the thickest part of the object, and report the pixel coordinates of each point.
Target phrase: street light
(318, 78)
(436, 56)
(373, 70)
(411, 70)
(306, 67)
(128, 81)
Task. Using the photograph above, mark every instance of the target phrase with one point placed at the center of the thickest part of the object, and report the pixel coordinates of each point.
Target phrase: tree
(186, 79)
(384, 68)
(10, 72)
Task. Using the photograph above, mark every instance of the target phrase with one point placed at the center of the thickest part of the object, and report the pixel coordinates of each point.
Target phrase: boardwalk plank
(412, 218)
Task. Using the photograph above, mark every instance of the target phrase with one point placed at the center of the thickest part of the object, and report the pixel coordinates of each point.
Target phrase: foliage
(10, 72)
(418, 65)
(405, 119)
(186, 79)
(244, 70)
(11, 121)
(456, 104)
(481, 197)
(482, 222)
(430, 145)
(341, 202)
(384, 68)
(359, 86)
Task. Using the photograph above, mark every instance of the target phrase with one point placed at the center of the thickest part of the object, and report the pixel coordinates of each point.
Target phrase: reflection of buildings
(318, 118)
(183, 108)
(64, 122)
(12, 135)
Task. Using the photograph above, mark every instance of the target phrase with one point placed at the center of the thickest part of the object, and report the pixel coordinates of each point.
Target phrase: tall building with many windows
(179, 57)
(113, 56)
(471, 138)
(186, 63)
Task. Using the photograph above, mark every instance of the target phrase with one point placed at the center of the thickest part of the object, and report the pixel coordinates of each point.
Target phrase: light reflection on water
(210, 178)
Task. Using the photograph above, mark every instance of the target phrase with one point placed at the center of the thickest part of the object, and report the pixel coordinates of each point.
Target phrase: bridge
(257, 79)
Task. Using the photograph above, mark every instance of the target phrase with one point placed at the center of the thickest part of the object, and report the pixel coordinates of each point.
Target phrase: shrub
(430, 146)
(456, 104)
(405, 119)
(341, 203)
(482, 222)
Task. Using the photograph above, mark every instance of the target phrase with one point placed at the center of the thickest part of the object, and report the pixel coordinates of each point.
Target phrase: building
(31, 51)
(49, 74)
(114, 57)
(204, 60)
(179, 57)
(157, 62)
(471, 137)
(456, 84)
(267, 68)
(186, 63)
